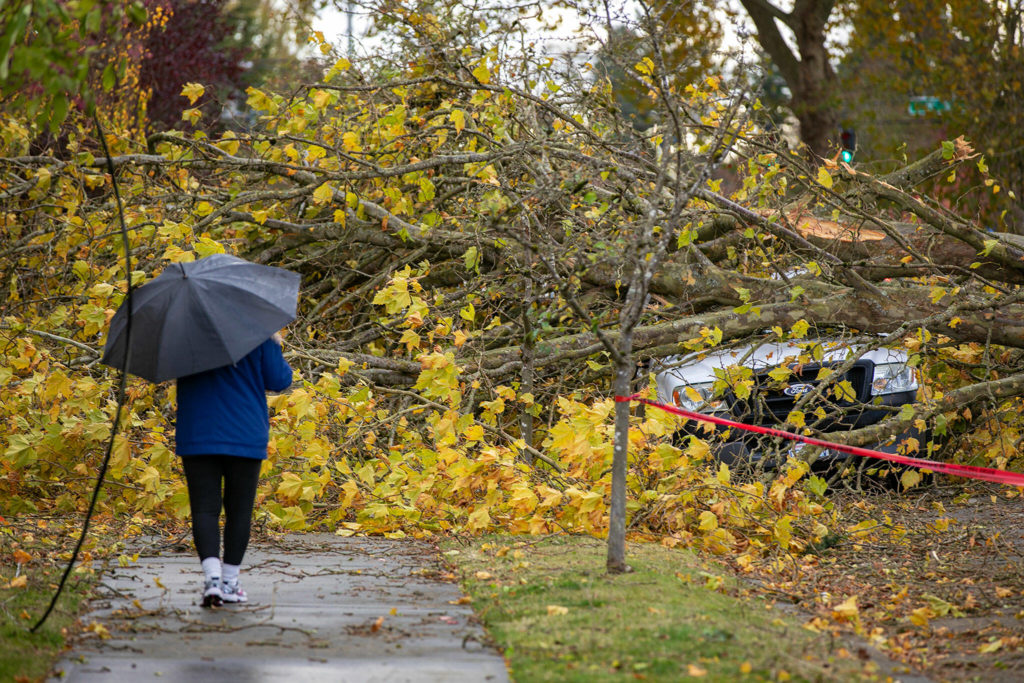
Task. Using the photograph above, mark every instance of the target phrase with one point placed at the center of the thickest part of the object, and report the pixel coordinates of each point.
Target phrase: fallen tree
(485, 248)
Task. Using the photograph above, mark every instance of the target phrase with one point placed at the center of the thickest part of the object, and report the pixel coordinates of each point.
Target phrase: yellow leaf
(796, 418)
(290, 487)
(206, 246)
(989, 648)
(696, 671)
(323, 194)
(367, 474)
(708, 521)
(18, 582)
(910, 478)
(320, 99)
(350, 141)
(193, 91)
(479, 519)
(484, 576)
(458, 117)
(846, 610)
(784, 531)
(149, 478)
(823, 177)
(99, 629)
(410, 339)
(315, 152)
(557, 610)
(920, 616)
(474, 433)
(645, 66)
(481, 73)
(844, 391)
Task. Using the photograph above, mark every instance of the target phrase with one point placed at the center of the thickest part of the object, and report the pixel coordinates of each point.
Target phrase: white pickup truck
(751, 384)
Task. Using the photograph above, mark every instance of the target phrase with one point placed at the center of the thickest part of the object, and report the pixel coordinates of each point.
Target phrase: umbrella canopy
(201, 315)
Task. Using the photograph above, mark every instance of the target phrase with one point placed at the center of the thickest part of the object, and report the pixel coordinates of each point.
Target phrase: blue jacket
(224, 411)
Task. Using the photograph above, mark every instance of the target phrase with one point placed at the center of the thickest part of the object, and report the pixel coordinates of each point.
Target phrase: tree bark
(616, 562)
(808, 73)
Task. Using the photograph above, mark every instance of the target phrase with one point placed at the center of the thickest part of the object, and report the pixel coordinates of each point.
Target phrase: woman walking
(222, 431)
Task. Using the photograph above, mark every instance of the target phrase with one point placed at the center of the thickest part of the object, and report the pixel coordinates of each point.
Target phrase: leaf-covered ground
(936, 581)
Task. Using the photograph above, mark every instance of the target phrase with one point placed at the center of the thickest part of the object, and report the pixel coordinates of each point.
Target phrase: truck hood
(700, 367)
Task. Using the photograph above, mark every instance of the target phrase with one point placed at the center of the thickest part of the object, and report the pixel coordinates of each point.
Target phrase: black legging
(204, 474)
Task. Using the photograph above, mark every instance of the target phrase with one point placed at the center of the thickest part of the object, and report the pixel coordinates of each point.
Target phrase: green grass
(558, 616)
(26, 656)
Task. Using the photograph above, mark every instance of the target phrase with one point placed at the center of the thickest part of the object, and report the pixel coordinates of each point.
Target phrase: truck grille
(770, 403)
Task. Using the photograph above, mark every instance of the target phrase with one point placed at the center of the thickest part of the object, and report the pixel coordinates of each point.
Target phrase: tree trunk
(812, 95)
(808, 73)
(620, 457)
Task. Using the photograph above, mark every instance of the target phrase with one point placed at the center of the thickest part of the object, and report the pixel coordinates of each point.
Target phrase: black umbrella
(201, 315)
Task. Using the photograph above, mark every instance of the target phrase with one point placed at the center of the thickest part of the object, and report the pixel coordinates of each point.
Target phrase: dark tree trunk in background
(807, 72)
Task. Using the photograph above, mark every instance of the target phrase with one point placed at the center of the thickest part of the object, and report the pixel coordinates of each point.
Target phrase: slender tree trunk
(620, 458)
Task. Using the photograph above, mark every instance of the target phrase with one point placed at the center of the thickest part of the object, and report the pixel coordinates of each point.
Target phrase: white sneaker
(231, 591)
(212, 594)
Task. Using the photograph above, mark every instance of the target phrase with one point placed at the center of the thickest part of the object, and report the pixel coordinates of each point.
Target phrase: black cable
(121, 386)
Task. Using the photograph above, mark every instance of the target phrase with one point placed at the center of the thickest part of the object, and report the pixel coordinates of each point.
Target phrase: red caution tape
(983, 473)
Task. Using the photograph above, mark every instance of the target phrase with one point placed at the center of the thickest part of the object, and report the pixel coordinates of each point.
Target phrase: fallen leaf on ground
(989, 648)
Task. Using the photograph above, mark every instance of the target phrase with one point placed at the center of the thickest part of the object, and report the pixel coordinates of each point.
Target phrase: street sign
(922, 105)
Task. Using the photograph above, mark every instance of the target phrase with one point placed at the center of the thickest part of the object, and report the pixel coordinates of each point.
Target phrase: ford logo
(797, 389)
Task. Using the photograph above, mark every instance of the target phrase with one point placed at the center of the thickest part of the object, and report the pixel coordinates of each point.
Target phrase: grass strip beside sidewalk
(558, 616)
(26, 656)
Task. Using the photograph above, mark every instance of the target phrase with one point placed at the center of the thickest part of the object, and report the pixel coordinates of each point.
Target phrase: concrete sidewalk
(322, 608)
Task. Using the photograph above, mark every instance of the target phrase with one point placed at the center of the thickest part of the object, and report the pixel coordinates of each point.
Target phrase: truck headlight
(893, 378)
(698, 397)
